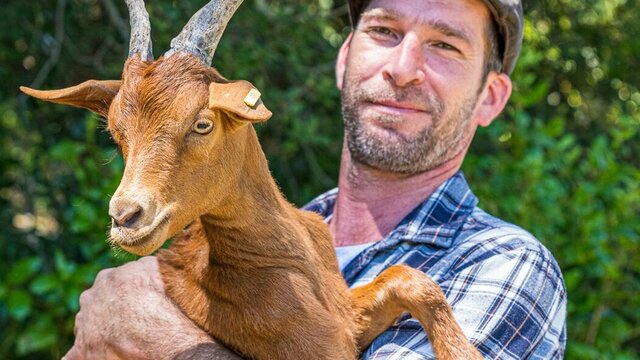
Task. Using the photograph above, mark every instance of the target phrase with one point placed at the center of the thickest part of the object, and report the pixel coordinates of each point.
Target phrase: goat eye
(203, 126)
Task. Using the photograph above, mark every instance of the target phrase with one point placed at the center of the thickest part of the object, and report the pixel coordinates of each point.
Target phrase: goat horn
(202, 33)
(140, 30)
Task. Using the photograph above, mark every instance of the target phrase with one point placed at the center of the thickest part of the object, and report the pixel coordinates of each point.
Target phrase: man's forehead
(424, 5)
(419, 8)
(453, 26)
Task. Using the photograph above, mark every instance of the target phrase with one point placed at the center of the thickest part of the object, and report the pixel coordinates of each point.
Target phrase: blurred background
(562, 160)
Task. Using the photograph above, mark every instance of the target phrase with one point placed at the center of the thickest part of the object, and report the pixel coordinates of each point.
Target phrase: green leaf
(86, 273)
(67, 151)
(572, 279)
(44, 283)
(85, 216)
(23, 270)
(3, 291)
(19, 304)
(63, 267)
(33, 342)
(73, 298)
(36, 337)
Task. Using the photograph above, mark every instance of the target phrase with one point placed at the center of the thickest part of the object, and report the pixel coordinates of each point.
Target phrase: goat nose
(125, 213)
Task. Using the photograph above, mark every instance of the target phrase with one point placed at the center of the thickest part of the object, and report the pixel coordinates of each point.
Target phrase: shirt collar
(436, 221)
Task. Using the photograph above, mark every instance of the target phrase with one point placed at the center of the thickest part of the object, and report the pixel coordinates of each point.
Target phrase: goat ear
(240, 98)
(93, 95)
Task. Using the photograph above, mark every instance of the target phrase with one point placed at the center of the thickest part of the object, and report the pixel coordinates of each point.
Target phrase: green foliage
(561, 161)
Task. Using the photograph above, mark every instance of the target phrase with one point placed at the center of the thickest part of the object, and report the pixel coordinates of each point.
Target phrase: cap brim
(355, 8)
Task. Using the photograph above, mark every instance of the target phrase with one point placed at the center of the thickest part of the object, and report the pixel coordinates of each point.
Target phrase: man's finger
(149, 261)
(85, 298)
(73, 354)
(102, 275)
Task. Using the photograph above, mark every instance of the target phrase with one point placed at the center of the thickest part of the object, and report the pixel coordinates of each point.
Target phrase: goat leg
(401, 288)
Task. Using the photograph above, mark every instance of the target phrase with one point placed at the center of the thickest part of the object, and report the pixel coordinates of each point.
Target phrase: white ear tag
(252, 97)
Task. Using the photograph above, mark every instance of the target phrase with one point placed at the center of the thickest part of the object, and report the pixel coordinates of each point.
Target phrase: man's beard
(435, 144)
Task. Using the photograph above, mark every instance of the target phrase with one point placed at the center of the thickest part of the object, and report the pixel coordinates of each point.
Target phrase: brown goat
(256, 273)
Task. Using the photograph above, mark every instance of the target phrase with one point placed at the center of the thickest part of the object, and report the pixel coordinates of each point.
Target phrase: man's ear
(493, 98)
(93, 95)
(341, 63)
(239, 99)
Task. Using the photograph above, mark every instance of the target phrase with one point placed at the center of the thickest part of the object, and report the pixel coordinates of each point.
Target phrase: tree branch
(55, 51)
(121, 24)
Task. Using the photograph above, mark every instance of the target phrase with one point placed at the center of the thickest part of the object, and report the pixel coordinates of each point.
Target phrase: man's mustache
(427, 101)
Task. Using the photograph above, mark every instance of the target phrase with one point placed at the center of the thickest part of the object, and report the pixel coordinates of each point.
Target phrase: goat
(256, 273)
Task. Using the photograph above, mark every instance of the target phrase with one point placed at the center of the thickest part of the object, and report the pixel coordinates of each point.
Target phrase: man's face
(411, 82)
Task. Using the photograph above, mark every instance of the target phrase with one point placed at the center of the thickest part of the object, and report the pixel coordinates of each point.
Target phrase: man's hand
(126, 315)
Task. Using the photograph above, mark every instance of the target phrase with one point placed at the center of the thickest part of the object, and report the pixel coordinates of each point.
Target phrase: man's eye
(445, 46)
(381, 31)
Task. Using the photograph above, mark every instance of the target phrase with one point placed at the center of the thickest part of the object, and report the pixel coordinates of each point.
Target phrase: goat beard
(426, 150)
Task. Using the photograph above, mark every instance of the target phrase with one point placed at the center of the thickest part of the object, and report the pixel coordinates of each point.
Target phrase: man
(417, 78)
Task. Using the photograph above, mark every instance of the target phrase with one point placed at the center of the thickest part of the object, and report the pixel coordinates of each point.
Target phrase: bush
(561, 161)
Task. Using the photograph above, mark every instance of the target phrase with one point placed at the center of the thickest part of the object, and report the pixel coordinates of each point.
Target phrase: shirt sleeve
(510, 302)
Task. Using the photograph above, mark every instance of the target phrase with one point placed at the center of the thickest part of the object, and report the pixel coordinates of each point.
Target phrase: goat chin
(144, 245)
(140, 251)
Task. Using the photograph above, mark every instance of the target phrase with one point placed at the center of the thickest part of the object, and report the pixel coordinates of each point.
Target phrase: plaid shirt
(505, 288)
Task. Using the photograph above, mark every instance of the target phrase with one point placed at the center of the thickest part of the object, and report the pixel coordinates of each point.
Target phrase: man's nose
(406, 67)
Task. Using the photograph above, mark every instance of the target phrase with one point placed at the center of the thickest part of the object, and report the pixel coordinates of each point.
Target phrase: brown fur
(253, 271)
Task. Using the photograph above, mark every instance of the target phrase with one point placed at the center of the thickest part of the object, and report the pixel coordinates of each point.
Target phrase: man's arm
(515, 304)
(126, 315)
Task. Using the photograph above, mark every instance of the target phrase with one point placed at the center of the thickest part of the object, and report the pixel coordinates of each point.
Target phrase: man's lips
(391, 106)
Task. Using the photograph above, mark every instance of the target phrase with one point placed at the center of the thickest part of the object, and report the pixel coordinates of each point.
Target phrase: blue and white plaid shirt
(505, 288)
